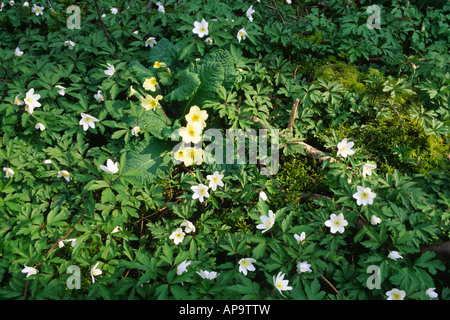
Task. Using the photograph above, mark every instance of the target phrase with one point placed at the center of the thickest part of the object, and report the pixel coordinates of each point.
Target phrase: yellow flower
(197, 116)
(158, 65)
(150, 83)
(150, 103)
(132, 91)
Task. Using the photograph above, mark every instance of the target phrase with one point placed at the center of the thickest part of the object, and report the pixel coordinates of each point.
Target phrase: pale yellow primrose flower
(191, 133)
(150, 103)
(196, 116)
(150, 84)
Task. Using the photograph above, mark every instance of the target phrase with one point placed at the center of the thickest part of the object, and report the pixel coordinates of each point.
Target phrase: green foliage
(386, 90)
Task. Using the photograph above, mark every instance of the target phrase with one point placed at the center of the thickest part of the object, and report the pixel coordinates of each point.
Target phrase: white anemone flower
(111, 167)
(394, 255)
(242, 34)
(98, 96)
(301, 237)
(135, 131)
(303, 267)
(95, 272)
(39, 126)
(31, 101)
(62, 90)
(200, 192)
(430, 292)
(182, 267)
(201, 28)
(177, 236)
(17, 52)
(70, 44)
(110, 70)
(160, 7)
(87, 121)
(280, 283)
(266, 221)
(396, 294)
(188, 226)
(150, 42)
(205, 274)
(114, 10)
(337, 223)
(29, 271)
(345, 148)
(374, 220)
(249, 13)
(367, 169)
(246, 264)
(37, 9)
(364, 196)
(215, 180)
(64, 174)
(9, 173)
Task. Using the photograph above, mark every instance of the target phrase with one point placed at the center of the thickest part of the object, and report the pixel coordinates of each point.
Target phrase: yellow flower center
(202, 29)
(88, 119)
(396, 296)
(268, 222)
(195, 118)
(364, 195)
(215, 179)
(337, 223)
(244, 263)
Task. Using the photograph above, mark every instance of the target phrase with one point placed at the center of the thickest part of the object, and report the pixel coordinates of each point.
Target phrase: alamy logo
(374, 21)
(232, 149)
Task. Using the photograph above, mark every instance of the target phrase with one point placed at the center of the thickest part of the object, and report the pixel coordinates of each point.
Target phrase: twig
(101, 22)
(332, 287)
(293, 113)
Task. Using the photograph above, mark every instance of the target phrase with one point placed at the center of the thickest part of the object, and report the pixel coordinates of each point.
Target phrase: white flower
(337, 223)
(18, 101)
(177, 236)
(29, 271)
(241, 34)
(201, 28)
(209, 41)
(210, 275)
(430, 292)
(288, 1)
(48, 161)
(396, 294)
(301, 237)
(31, 101)
(98, 96)
(64, 174)
(135, 131)
(367, 169)
(303, 267)
(73, 242)
(26, 4)
(394, 255)
(375, 220)
(39, 126)
(62, 90)
(17, 52)
(111, 167)
(160, 7)
(249, 13)
(345, 148)
(117, 229)
(95, 272)
(150, 42)
(114, 10)
(246, 264)
(11, 3)
(110, 71)
(70, 44)
(267, 221)
(263, 195)
(183, 267)
(200, 192)
(281, 284)
(189, 226)
(364, 196)
(215, 180)
(37, 9)
(87, 121)
(9, 173)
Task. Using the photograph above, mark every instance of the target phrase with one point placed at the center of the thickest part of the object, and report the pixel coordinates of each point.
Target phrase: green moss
(400, 144)
(299, 174)
(347, 74)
